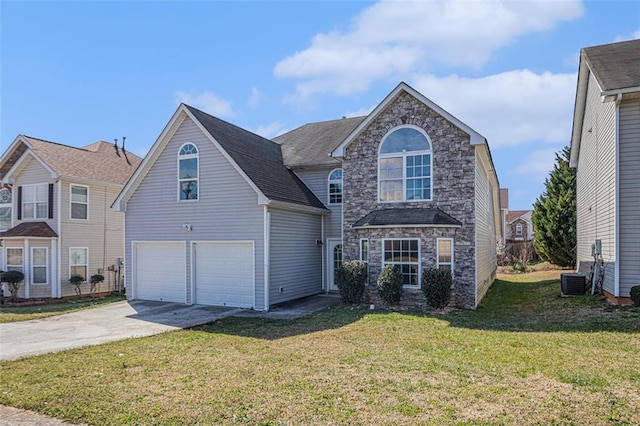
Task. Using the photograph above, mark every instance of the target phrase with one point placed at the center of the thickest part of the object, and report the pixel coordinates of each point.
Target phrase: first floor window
(78, 262)
(79, 202)
(364, 252)
(39, 265)
(15, 259)
(445, 254)
(406, 255)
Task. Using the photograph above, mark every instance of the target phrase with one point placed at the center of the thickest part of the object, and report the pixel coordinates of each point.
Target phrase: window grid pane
(403, 253)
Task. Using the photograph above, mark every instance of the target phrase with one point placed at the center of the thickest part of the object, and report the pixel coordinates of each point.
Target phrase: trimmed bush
(389, 284)
(635, 295)
(350, 278)
(13, 280)
(436, 286)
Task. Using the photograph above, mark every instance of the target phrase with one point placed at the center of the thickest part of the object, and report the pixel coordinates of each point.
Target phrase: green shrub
(350, 278)
(389, 284)
(13, 280)
(635, 295)
(436, 286)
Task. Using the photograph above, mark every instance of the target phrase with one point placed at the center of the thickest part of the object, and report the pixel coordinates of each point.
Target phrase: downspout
(104, 232)
(267, 255)
(26, 266)
(325, 285)
(616, 265)
(58, 278)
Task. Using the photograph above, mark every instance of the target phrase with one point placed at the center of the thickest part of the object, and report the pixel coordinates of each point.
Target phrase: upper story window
(79, 202)
(404, 166)
(335, 187)
(35, 201)
(5, 209)
(188, 172)
(519, 229)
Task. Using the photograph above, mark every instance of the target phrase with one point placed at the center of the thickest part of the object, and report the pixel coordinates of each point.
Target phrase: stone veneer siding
(453, 186)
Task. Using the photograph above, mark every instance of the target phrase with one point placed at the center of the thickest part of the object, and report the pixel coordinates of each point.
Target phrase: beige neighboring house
(55, 216)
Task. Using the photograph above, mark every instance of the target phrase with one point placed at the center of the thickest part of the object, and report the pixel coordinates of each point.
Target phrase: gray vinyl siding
(102, 234)
(486, 260)
(318, 181)
(34, 173)
(629, 203)
(296, 259)
(596, 189)
(227, 208)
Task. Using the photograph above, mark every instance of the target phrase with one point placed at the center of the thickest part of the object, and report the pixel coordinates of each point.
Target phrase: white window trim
(8, 205)
(46, 265)
(330, 181)
(71, 202)
(197, 179)
(35, 202)
(404, 156)
(408, 263)
(438, 263)
(6, 257)
(71, 249)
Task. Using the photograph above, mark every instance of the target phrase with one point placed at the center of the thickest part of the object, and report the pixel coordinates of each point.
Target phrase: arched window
(335, 187)
(188, 172)
(404, 166)
(5, 209)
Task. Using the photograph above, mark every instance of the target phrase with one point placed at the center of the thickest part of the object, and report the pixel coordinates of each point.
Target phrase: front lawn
(524, 357)
(25, 313)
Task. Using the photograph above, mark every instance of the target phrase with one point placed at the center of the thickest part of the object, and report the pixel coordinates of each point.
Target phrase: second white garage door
(224, 274)
(160, 271)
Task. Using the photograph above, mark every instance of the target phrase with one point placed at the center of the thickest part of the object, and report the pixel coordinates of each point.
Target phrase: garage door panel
(224, 274)
(160, 271)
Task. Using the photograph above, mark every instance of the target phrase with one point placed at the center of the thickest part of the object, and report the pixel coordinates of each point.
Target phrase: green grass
(525, 356)
(25, 313)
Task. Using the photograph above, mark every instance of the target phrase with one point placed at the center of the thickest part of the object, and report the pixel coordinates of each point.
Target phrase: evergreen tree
(554, 214)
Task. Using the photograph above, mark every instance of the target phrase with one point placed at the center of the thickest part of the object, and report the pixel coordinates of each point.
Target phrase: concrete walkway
(10, 416)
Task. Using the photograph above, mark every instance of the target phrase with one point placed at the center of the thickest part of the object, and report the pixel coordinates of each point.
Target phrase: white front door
(334, 260)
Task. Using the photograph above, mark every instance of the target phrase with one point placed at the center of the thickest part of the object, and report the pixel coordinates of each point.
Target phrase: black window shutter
(50, 201)
(19, 203)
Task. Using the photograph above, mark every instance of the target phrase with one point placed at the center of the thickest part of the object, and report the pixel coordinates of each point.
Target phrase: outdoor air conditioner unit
(573, 284)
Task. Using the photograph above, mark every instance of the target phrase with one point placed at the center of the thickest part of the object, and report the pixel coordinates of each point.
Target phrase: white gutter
(267, 256)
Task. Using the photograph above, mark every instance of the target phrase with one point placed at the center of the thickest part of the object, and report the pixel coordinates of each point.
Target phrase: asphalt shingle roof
(312, 143)
(30, 229)
(411, 216)
(98, 161)
(616, 65)
(260, 159)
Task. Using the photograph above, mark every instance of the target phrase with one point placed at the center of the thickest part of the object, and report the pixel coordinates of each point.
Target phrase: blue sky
(78, 72)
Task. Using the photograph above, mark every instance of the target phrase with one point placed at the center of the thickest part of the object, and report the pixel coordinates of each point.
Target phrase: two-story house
(605, 149)
(218, 215)
(55, 216)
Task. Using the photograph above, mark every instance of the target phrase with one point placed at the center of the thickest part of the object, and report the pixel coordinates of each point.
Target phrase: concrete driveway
(116, 321)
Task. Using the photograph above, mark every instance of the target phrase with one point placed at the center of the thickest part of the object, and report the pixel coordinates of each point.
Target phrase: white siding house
(605, 149)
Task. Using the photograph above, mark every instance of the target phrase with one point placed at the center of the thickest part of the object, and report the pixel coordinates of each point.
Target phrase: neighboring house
(517, 224)
(218, 215)
(55, 219)
(605, 149)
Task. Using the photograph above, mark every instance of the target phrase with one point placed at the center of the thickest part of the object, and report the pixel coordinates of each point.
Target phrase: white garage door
(160, 271)
(224, 274)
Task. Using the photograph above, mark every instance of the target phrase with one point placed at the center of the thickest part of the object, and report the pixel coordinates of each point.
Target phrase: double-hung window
(335, 187)
(15, 260)
(404, 166)
(188, 172)
(35, 201)
(79, 202)
(39, 265)
(5, 209)
(364, 252)
(405, 254)
(519, 229)
(445, 254)
(78, 261)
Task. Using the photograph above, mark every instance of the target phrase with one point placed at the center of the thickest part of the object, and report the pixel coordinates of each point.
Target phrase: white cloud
(360, 112)
(633, 36)
(208, 102)
(390, 38)
(509, 108)
(537, 165)
(271, 130)
(255, 98)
